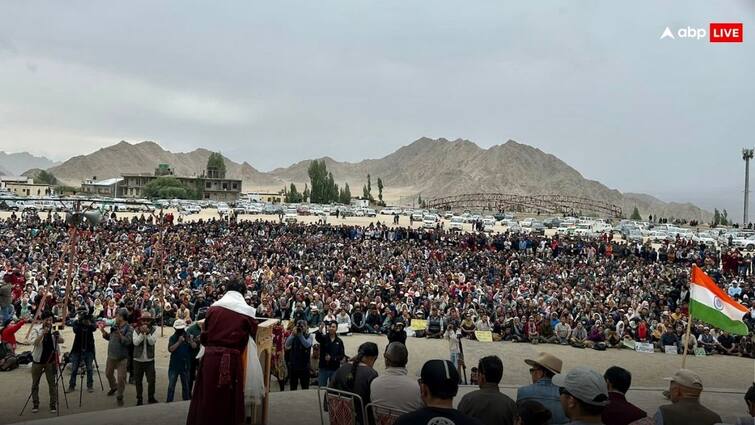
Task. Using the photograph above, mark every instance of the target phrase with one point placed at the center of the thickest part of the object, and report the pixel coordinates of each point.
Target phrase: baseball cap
(687, 378)
(441, 377)
(584, 384)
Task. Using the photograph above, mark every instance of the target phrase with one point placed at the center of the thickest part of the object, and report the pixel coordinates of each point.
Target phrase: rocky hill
(16, 163)
(429, 167)
(144, 157)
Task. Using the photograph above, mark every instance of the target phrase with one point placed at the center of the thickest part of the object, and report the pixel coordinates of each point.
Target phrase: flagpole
(689, 326)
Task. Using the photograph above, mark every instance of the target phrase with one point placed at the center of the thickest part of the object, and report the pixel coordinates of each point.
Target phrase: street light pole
(747, 155)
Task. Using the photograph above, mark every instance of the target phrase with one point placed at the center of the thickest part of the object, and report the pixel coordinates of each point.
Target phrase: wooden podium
(264, 341)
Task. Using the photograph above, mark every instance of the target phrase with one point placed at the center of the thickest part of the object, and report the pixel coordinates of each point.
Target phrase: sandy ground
(730, 374)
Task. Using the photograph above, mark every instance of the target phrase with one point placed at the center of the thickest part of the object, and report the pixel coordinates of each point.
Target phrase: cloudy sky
(277, 82)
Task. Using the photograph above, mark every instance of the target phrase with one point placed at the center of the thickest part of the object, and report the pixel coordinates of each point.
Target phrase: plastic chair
(384, 415)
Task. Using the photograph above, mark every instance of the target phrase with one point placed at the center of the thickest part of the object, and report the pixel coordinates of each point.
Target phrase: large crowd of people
(133, 274)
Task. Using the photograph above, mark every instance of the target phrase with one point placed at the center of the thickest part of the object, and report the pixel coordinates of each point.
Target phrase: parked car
(223, 208)
(290, 216)
(8, 205)
(457, 223)
(429, 221)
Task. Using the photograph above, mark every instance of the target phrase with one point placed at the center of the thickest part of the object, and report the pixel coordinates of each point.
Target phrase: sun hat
(546, 361)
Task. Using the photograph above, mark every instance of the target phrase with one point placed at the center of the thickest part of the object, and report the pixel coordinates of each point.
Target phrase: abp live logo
(717, 32)
(726, 32)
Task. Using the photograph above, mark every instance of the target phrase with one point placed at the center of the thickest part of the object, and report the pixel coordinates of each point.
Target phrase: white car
(429, 221)
(369, 212)
(290, 216)
(527, 222)
(584, 230)
(488, 224)
(223, 208)
(457, 223)
(746, 243)
(417, 216)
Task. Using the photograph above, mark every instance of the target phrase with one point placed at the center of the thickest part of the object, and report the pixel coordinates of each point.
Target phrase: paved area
(301, 408)
(728, 376)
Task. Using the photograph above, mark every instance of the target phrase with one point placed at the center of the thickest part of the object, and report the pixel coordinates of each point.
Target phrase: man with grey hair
(119, 338)
(685, 388)
(394, 389)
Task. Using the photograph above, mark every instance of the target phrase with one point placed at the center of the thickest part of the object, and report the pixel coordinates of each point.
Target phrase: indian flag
(707, 302)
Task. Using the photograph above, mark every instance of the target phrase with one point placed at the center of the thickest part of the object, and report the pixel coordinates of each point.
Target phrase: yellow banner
(484, 336)
(419, 325)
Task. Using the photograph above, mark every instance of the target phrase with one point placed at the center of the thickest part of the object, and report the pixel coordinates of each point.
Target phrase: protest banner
(484, 336)
(419, 325)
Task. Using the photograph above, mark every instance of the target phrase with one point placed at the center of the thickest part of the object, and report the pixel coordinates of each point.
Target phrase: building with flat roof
(112, 188)
(25, 186)
(212, 186)
(269, 197)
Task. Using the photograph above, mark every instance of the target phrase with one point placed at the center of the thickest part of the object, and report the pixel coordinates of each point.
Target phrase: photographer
(44, 339)
(299, 347)
(143, 340)
(82, 349)
(118, 353)
(181, 347)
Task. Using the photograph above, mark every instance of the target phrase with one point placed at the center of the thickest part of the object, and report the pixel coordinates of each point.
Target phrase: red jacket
(8, 335)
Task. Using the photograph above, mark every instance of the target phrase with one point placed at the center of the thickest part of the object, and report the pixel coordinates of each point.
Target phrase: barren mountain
(435, 168)
(432, 168)
(16, 163)
(144, 157)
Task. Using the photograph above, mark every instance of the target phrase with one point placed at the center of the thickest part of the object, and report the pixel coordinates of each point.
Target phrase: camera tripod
(84, 370)
(58, 377)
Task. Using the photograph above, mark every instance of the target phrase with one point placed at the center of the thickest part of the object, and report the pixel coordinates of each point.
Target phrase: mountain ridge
(17, 163)
(427, 167)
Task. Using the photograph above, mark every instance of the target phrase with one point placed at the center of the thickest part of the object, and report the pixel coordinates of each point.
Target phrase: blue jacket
(544, 392)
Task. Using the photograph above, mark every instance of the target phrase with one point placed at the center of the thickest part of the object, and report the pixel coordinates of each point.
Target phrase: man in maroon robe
(218, 396)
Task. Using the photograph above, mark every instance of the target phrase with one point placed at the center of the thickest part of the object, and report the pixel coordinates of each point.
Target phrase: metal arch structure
(549, 204)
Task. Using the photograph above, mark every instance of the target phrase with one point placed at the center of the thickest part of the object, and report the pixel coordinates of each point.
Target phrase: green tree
(292, 195)
(345, 195)
(380, 189)
(365, 192)
(716, 218)
(45, 177)
(305, 194)
(168, 187)
(217, 162)
(635, 214)
(318, 180)
(420, 201)
(725, 218)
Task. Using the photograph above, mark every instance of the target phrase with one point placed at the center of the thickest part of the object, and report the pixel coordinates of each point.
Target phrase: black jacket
(334, 348)
(83, 340)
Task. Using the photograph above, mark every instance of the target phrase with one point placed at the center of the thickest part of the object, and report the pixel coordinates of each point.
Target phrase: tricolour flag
(707, 302)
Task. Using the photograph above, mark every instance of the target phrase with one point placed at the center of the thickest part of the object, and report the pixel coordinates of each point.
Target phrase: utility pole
(747, 155)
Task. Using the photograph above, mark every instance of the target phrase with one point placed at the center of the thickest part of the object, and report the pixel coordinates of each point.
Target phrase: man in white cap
(583, 395)
(542, 390)
(684, 391)
(181, 347)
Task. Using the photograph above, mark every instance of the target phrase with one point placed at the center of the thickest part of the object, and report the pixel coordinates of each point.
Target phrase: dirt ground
(718, 372)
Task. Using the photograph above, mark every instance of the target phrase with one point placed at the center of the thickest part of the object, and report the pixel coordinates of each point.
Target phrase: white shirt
(396, 390)
(137, 339)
